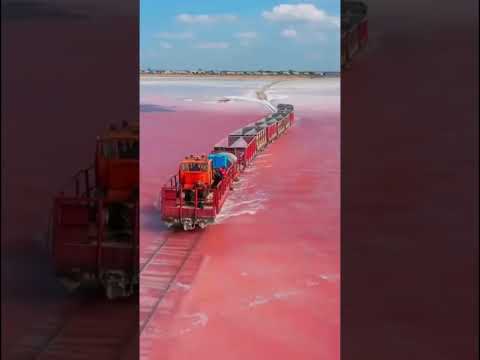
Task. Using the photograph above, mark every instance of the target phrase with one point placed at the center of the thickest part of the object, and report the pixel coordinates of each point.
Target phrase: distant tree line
(236, 72)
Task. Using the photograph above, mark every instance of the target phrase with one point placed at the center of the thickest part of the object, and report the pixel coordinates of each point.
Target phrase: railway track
(165, 273)
(171, 264)
(91, 329)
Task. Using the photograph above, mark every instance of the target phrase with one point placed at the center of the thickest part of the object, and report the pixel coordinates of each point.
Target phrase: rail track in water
(166, 268)
(90, 328)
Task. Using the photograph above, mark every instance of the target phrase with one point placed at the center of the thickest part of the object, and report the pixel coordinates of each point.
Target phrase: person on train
(188, 197)
(202, 193)
(224, 174)
(217, 177)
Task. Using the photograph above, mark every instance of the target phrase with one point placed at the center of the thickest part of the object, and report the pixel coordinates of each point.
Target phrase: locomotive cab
(196, 170)
(117, 161)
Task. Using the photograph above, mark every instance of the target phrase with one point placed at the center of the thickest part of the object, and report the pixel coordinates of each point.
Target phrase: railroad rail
(80, 333)
(169, 262)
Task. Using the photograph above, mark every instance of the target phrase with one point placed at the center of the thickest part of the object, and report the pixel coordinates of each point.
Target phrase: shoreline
(233, 77)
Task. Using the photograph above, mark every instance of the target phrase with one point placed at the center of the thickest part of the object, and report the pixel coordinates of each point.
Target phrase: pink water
(266, 285)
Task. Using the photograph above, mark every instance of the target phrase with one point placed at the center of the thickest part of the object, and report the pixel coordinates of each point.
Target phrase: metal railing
(82, 184)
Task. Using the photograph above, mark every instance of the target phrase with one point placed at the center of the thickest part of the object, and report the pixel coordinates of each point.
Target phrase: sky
(240, 35)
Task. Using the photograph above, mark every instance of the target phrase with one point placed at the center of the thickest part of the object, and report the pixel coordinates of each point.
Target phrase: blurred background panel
(69, 70)
(410, 184)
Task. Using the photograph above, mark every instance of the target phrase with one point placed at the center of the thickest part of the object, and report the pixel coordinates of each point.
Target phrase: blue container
(219, 160)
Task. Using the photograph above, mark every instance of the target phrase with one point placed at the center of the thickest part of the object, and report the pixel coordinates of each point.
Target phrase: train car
(243, 146)
(247, 133)
(291, 117)
(288, 110)
(261, 136)
(258, 133)
(288, 107)
(354, 35)
(271, 129)
(282, 122)
(94, 227)
(287, 117)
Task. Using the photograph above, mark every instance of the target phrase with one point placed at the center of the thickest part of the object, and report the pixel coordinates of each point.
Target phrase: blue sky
(240, 35)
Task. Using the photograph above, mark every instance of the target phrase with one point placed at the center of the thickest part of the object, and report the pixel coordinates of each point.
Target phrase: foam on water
(318, 94)
(197, 90)
(265, 103)
(245, 199)
(239, 203)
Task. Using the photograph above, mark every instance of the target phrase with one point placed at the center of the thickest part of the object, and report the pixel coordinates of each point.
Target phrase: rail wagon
(243, 147)
(291, 117)
(261, 137)
(288, 110)
(271, 129)
(286, 117)
(94, 227)
(281, 123)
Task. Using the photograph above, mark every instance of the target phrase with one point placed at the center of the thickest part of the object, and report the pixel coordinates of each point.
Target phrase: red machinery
(191, 198)
(188, 202)
(287, 110)
(95, 226)
(271, 129)
(283, 123)
(243, 146)
(261, 134)
(354, 30)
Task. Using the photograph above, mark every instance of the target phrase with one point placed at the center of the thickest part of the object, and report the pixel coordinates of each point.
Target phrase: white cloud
(246, 35)
(289, 33)
(175, 36)
(213, 45)
(166, 45)
(205, 18)
(301, 12)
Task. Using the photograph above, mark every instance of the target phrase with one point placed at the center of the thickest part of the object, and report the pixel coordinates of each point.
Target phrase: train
(194, 196)
(94, 223)
(354, 34)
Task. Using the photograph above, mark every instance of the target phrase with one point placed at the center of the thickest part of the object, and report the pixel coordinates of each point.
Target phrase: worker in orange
(202, 193)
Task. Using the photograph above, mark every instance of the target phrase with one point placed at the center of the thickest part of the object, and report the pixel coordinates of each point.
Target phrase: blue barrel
(219, 160)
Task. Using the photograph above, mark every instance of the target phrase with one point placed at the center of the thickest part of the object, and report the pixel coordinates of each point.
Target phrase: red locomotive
(95, 226)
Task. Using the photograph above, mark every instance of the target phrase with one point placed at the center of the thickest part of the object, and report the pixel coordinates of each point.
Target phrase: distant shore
(233, 77)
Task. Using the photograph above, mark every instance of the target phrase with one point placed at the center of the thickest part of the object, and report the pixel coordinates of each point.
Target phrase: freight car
(94, 229)
(354, 34)
(195, 196)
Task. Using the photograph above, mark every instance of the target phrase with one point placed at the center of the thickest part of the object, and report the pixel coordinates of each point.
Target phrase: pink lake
(264, 281)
